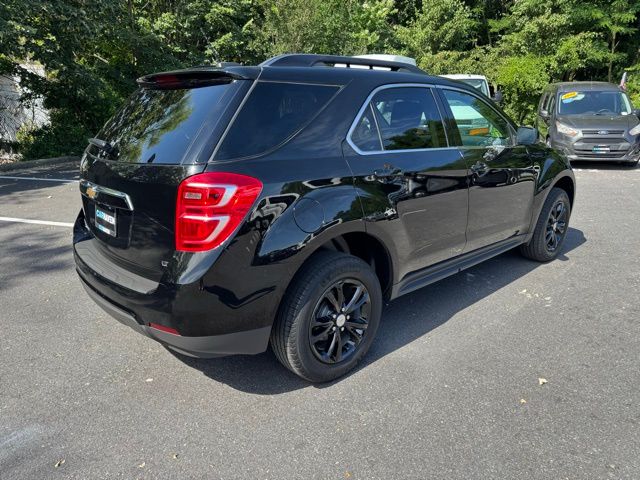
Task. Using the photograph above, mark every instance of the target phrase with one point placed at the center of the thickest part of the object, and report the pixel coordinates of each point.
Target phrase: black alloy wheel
(328, 317)
(551, 228)
(340, 321)
(556, 225)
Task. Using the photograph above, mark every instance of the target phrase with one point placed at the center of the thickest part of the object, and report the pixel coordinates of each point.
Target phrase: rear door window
(408, 119)
(365, 135)
(400, 118)
(273, 113)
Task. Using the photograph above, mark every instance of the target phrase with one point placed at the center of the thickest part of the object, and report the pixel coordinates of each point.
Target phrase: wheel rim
(556, 226)
(340, 321)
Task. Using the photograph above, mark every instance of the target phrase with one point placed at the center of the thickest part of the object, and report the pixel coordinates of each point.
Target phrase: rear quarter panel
(308, 198)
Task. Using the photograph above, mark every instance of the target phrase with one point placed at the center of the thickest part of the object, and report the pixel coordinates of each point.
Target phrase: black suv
(228, 208)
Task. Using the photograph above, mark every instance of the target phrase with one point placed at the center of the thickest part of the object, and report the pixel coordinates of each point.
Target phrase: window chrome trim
(368, 102)
(86, 184)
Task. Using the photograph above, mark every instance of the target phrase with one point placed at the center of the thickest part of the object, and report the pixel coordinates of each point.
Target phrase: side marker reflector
(162, 328)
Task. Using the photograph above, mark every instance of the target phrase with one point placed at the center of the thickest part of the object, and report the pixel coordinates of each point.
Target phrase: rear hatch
(130, 173)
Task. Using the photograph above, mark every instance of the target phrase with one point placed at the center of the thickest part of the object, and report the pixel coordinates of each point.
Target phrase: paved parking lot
(451, 388)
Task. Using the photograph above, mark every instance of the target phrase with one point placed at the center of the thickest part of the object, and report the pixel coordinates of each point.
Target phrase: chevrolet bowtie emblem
(91, 192)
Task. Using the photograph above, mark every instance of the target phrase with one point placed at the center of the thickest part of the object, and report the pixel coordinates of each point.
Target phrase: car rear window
(272, 114)
(158, 125)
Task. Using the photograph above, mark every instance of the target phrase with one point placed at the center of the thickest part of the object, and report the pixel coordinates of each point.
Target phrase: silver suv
(591, 121)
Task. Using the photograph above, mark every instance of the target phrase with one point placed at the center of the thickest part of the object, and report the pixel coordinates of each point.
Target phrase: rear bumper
(210, 322)
(247, 342)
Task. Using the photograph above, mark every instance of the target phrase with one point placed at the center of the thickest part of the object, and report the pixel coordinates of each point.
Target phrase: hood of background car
(599, 122)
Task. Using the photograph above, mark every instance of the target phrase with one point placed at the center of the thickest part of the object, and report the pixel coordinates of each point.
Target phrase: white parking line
(60, 180)
(37, 222)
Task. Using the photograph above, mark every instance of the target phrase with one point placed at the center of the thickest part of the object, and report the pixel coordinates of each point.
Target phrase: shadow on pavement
(28, 251)
(401, 323)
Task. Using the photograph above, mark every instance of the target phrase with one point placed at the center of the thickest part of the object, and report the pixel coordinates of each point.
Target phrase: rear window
(272, 114)
(159, 126)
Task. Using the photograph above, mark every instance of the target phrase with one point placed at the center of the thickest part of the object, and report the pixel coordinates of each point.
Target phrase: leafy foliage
(92, 51)
(328, 26)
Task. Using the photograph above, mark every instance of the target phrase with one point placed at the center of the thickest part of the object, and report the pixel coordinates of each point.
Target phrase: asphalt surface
(449, 390)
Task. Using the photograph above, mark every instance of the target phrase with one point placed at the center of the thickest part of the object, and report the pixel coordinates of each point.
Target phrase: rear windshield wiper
(104, 146)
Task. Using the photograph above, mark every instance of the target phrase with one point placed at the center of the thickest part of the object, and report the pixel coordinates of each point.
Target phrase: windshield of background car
(594, 103)
(478, 84)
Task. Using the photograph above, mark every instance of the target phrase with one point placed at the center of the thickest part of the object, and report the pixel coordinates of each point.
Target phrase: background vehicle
(590, 121)
(220, 199)
(387, 58)
(479, 82)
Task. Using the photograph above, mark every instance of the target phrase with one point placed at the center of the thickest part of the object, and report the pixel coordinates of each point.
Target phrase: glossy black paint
(501, 185)
(404, 195)
(407, 213)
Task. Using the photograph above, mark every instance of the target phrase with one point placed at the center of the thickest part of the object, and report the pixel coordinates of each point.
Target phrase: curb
(6, 167)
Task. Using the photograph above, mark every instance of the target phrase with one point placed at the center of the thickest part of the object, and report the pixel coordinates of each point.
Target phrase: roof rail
(311, 60)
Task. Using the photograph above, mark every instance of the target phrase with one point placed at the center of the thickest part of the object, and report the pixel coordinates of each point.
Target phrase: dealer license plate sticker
(106, 221)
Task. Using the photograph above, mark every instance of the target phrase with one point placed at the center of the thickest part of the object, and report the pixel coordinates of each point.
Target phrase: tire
(549, 235)
(309, 311)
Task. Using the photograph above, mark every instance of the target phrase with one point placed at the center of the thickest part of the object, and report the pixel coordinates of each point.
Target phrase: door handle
(387, 171)
(480, 168)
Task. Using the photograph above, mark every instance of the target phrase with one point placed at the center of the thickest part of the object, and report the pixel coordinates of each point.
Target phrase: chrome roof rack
(311, 60)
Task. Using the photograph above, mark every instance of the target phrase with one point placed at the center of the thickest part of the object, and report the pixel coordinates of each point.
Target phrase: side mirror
(497, 97)
(544, 114)
(527, 136)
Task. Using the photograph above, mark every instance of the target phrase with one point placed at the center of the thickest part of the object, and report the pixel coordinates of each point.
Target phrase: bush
(522, 80)
(62, 136)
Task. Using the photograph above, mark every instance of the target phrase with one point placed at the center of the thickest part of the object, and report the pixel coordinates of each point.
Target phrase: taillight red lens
(210, 207)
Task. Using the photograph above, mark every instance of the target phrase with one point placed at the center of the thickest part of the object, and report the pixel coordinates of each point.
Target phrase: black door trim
(426, 276)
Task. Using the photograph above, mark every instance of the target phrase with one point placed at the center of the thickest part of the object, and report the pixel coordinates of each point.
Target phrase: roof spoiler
(196, 77)
(310, 60)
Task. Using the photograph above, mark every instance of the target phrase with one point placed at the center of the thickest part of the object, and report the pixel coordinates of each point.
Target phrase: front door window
(479, 125)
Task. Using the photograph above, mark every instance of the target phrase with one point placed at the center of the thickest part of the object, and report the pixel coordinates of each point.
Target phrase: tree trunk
(132, 23)
(613, 51)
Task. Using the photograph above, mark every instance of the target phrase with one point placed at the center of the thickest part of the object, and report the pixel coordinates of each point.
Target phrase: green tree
(616, 18)
(92, 51)
(441, 25)
(347, 27)
(522, 80)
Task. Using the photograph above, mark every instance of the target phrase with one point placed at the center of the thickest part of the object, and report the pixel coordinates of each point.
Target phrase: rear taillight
(210, 207)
